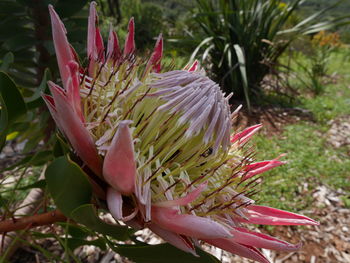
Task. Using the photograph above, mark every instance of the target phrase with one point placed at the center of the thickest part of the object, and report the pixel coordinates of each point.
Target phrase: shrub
(243, 39)
(315, 68)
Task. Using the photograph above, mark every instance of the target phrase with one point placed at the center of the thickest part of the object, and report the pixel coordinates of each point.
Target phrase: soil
(339, 133)
(273, 119)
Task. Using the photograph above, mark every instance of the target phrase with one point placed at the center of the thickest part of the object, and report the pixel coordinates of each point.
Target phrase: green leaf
(243, 70)
(39, 235)
(12, 105)
(19, 42)
(73, 243)
(11, 136)
(3, 201)
(71, 191)
(75, 230)
(61, 147)
(86, 215)
(162, 253)
(38, 184)
(12, 30)
(9, 7)
(346, 200)
(204, 42)
(13, 99)
(67, 8)
(68, 185)
(35, 100)
(6, 61)
(37, 159)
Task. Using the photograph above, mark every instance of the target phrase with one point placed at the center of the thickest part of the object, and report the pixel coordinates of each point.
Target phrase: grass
(311, 161)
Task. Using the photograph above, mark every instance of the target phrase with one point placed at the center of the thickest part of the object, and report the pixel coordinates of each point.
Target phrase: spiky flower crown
(163, 142)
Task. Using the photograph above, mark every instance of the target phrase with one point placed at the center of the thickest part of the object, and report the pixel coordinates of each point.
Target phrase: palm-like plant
(245, 38)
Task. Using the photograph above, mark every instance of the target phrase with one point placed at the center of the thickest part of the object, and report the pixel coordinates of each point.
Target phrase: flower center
(181, 126)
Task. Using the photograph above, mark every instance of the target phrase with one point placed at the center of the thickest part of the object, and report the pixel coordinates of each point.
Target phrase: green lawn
(311, 161)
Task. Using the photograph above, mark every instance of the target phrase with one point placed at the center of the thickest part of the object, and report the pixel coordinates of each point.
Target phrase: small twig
(30, 205)
(32, 221)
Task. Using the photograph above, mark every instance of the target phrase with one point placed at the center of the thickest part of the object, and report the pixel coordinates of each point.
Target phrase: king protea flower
(162, 141)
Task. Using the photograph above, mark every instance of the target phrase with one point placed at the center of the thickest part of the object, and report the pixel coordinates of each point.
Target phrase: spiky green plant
(243, 39)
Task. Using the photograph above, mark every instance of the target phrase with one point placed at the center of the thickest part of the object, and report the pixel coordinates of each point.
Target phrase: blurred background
(286, 62)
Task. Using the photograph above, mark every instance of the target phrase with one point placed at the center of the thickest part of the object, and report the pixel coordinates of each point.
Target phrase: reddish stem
(31, 221)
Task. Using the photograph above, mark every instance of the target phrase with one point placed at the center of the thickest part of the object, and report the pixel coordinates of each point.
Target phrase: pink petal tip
(129, 47)
(119, 167)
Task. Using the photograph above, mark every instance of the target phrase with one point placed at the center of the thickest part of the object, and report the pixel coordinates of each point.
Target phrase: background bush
(243, 39)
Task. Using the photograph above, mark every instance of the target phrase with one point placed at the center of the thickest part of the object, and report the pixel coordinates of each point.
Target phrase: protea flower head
(163, 142)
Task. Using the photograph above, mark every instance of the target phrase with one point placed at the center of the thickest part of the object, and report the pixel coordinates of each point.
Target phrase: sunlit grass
(311, 161)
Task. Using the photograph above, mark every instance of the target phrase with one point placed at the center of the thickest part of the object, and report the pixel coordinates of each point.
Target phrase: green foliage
(63, 178)
(28, 57)
(157, 253)
(259, 28)
(74, 243)
(311, 6)
(67, 8)
(309, 74)
(311, 160)
(71, 190)
(86, 215)
(346, 201)
(149, 24)
(12, 106)
(38, 159)
(25, 30)
(313, 62)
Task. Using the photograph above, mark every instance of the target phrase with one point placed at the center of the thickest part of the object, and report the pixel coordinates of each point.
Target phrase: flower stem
(31, 221)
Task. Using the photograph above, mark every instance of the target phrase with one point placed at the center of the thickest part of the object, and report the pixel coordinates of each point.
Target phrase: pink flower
(162, 141)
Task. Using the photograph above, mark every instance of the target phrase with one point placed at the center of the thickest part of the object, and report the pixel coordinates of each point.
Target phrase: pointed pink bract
(264, 215)
(238, 249)
(50, 103)
(119, 167)
(63, 49)
(129, 47)
(74, 130)
(92, 51)
(190, 197)
(156, 57)
(245, 135)
(194, 66)
(113, 49)
(261, 167)
(255, 239)
(181, 242)
(91, 40)
(100, 49)
(73, 88)
(188, 225)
